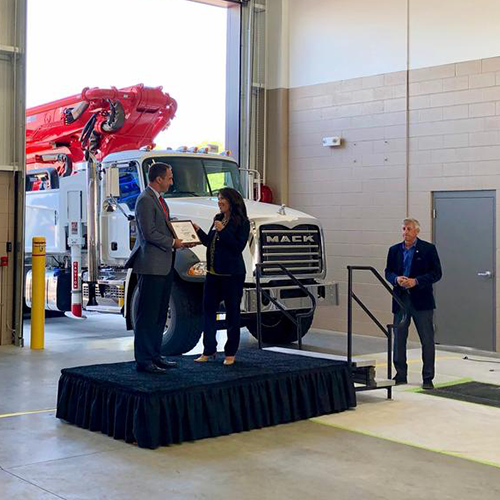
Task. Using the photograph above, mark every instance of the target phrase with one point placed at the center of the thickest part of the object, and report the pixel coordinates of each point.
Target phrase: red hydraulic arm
(102, 121)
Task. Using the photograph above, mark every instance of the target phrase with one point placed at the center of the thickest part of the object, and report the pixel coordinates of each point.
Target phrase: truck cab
(278, 235)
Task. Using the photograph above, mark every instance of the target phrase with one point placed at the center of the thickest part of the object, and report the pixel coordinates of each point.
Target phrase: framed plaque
(185, 231)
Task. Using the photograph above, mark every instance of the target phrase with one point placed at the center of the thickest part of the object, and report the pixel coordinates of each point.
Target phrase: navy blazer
(425, 267)
(232, 240)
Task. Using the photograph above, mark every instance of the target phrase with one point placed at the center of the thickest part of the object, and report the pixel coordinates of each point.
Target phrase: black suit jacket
(231, 242)
(425, 267)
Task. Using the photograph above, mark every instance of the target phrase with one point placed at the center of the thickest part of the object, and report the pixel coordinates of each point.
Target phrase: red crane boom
(102, 121)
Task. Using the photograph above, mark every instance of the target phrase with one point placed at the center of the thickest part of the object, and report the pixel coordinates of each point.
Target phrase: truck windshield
(198, 176)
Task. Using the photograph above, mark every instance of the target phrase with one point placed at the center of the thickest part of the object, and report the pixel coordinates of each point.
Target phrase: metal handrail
(297, 320)
(387, 331)
(387, 287)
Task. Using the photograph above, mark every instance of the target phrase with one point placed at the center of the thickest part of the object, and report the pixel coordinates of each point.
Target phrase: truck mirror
(112, 182)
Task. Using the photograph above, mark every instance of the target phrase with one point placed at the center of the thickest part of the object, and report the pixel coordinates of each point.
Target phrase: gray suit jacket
(152, 252)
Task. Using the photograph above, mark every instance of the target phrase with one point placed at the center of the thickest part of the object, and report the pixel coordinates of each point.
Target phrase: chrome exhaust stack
(93, 246)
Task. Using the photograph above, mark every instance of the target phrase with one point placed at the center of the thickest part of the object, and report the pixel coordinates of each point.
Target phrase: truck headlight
(199, 269)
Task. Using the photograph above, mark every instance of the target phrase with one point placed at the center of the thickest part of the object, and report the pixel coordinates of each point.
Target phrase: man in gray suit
(152, 260)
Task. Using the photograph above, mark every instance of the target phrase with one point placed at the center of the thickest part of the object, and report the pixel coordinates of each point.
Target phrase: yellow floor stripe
(419, 390)
(407, 443)
(413, 361)
(21, 413)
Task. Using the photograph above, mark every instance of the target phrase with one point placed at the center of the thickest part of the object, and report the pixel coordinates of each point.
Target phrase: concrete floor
(405, 448)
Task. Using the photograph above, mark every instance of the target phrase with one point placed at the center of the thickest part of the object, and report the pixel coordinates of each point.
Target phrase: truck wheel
(278, 329)
(184, 320)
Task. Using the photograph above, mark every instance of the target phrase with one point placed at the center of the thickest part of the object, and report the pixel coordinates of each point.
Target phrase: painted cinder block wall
(347, 75)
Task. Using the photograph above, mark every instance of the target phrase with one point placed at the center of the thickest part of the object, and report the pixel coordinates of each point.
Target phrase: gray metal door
(464, 233)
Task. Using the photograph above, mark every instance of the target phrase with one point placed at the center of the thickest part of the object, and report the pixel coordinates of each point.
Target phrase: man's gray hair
(409, 220)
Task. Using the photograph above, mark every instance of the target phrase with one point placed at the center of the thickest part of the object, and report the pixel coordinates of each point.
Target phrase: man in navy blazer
(413, 266)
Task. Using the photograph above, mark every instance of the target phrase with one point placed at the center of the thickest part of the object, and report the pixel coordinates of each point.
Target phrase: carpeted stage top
(198, 400)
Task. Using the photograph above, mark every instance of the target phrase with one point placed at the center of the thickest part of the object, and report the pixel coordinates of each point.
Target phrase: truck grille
(298, 249)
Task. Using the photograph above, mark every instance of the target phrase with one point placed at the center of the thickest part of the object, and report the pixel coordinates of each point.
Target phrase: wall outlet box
(332, 142)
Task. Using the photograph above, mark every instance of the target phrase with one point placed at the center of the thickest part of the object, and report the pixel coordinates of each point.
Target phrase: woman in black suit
(226, 272)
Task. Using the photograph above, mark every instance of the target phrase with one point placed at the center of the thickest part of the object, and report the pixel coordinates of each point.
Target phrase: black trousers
(151, 316)
(423, 321)
(230, 290)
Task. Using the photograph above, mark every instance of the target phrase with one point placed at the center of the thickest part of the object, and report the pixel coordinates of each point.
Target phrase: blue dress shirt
(408, 254)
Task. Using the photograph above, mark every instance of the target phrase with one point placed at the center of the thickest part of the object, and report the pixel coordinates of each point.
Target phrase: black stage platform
(199, 400)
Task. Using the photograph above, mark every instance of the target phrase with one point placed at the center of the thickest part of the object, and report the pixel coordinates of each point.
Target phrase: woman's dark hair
(236, 203)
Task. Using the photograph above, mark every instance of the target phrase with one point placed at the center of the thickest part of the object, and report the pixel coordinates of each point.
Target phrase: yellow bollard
(38, 293)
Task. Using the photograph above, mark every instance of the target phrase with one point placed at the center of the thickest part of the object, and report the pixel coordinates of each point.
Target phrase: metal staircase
(364, 375)
(363, 369)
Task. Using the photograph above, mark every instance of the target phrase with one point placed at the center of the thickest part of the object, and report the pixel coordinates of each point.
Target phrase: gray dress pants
(423, 321)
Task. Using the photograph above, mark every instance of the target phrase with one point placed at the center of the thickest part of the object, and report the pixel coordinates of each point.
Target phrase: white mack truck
(81, 195)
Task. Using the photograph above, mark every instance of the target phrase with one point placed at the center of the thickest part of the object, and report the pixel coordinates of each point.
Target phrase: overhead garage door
(12, 104)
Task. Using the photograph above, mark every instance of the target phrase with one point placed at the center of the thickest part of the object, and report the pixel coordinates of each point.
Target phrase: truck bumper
(291, 297)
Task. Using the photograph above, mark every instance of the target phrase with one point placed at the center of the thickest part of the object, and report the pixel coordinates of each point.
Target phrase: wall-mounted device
(332, 142)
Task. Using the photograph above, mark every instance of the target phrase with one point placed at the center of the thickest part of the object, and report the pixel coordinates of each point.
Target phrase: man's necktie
(165, 208)
(167, 214)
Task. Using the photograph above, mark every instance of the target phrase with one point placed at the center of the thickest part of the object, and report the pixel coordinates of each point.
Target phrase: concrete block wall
(359, 191)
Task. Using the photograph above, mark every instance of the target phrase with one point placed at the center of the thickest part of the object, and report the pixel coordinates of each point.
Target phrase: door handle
(485, 274)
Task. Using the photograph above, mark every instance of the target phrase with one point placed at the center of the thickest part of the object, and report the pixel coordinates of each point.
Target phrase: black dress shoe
(164, 363)
(428, 385)
(400, 381)
(151, 368)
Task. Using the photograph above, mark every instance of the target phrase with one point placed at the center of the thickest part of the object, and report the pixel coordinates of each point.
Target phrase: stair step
(357, 362)
(376, 384)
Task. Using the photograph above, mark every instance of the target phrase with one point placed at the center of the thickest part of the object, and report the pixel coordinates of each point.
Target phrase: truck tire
(185, 318)
(278, 329)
